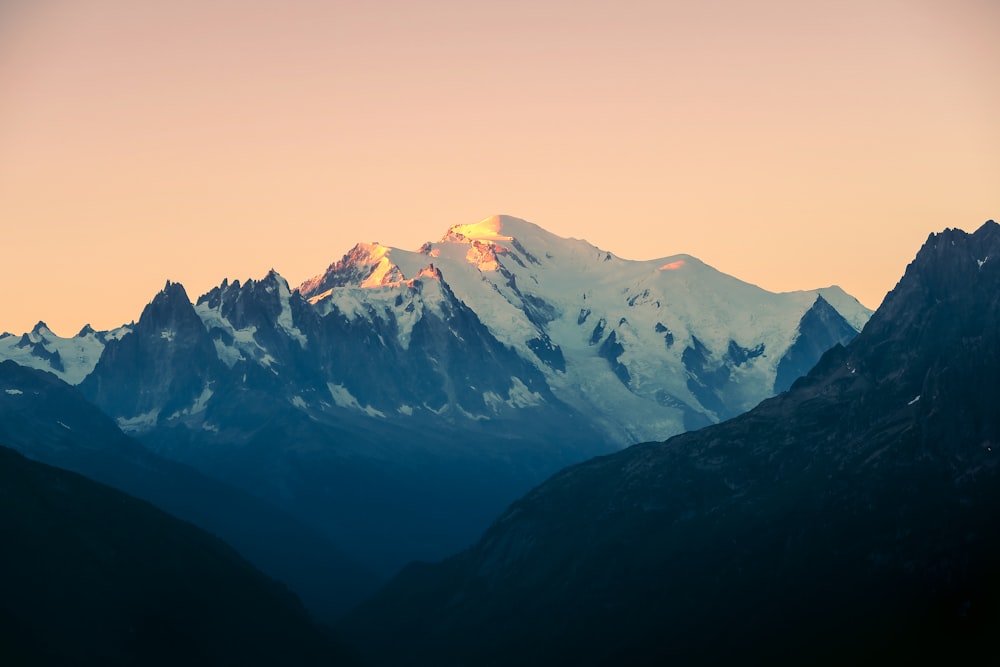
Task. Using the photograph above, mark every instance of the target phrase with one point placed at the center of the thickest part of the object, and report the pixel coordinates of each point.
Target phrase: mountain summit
(850, 520)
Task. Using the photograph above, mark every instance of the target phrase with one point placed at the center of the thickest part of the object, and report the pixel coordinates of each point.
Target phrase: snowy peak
(242, 304)
(487, 229)
(366, 265)
(70, 359)
(513, 235)
(41, 329)
(253, 320)
(502, 240)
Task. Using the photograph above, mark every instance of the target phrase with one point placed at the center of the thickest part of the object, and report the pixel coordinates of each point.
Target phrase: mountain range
(401, 399)
(849, 520)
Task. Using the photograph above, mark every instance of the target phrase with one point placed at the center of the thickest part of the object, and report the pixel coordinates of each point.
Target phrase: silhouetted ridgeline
(90, 576)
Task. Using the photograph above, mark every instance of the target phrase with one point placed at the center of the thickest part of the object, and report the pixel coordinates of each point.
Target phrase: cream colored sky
(792, 144)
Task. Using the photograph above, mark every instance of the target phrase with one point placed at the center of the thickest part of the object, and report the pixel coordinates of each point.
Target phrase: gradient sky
(793, 144)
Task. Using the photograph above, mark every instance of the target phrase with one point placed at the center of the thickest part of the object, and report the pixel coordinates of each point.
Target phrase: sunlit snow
(526, 284)
(487, 229)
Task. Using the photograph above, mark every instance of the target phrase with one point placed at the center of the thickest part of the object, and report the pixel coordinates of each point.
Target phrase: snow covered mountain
(70, 359)
(644, 348)
(473, 367)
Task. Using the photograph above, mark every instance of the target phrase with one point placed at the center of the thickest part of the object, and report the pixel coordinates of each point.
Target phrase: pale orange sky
(792, 144)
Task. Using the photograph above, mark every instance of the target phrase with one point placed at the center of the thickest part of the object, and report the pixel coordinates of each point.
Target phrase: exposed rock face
(161, 367)
(851, 519)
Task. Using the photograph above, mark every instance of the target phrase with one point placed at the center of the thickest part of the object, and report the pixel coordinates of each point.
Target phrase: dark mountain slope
(90, 576)
(849, 520)
(49, 421)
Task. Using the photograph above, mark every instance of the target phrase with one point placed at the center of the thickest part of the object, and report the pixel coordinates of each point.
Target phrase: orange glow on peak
(487, 229)
(672, 266)
(385, 274)
(430, 271)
